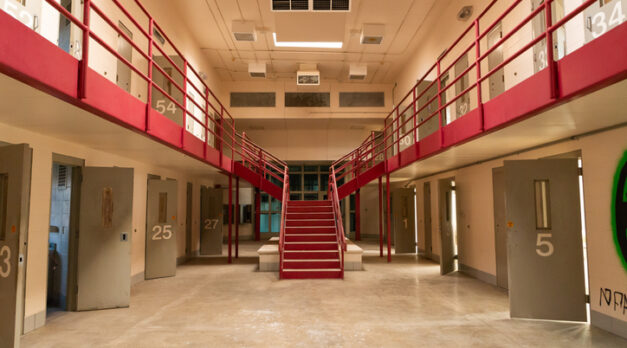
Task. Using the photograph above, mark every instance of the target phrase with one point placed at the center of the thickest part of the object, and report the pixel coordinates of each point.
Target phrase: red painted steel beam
(357, 215)
(230, 209)
(257, 214)
(389, 218)
(380, 216)
(237, 217)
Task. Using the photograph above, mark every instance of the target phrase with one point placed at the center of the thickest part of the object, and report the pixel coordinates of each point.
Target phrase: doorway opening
(448, 226)
(427, 219)
(62, 236)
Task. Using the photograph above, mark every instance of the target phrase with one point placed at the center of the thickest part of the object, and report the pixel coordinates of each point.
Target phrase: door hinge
(587, 298)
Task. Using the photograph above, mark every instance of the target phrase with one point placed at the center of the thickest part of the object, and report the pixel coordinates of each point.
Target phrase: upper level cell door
(545, 250)
(603, 16)
(15, 169)
(497, 79)
(210, 221)
(161, 229)
(104, 241)
(123, 77)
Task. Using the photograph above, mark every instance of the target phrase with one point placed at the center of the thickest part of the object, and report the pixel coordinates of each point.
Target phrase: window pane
(295, 169)
(543, 202)
(311, 196)
(324, 182)
(296, 182)
(311, 182)
(276, 223)
(263, 223)
(352, 222)
(324, 169)
(295, 197)
(311, 168)
(276, 205)
(352, 202)
(265, 202)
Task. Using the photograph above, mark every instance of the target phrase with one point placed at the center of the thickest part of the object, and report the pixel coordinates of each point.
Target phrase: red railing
(198, 104)
(425, 104)
(337, 213)
(286, 197)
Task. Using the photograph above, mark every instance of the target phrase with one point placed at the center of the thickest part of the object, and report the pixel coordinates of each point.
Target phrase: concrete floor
(406, 303)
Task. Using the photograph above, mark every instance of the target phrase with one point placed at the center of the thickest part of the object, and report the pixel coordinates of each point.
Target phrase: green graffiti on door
(619, 209)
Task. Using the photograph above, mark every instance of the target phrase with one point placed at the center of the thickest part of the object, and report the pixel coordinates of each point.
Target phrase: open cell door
(104, 245)
(15, 170)
(545, 250)
(211, 221)
(161, 227)
(448, 225)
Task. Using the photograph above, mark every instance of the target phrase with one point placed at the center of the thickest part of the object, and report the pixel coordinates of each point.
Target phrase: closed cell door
(211, 221)
(545, 250)
(497, 79)
(427, 219)
(104, 240)
(123, 77)
(404, 223)
(161, 228)
(15, 169)
(603, 16)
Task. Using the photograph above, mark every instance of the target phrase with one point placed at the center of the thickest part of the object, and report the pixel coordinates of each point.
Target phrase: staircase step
(310, 216)
(310, 245)
(308, 237)
(333, 273)
(300, 223)
(309, 203)
(310, 254)
(309, 230)
(310, 264)
(316, 209)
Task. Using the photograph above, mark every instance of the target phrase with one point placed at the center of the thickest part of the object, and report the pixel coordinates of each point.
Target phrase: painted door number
(162, 107)
(544, 247)
(210, 224)
(600, 22)
(162, 232)
(5, 256)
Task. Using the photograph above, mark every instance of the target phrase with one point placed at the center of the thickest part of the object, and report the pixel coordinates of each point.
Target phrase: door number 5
(544, 246)
(5, 255)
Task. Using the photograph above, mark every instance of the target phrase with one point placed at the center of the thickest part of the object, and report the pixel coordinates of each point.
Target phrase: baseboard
(34, 322)
(435, 258)
(607, 323)
(137, 278)
(475, 273)
(182, 259)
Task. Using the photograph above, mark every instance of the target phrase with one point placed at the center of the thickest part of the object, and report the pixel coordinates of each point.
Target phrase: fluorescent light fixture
(307, 44)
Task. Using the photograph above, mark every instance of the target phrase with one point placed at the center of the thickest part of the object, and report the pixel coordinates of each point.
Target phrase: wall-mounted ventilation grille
(307, 100)
(260, 100)
(362, 99)
(62, 177)
(313, 5)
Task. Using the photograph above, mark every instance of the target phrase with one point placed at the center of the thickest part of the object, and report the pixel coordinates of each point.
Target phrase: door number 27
(544, 246)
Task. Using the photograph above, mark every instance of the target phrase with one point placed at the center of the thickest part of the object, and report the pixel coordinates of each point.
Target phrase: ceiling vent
(257, 70)
(358, 72)
(308, 75)
(372, 34)
(311, 5)
(464, 13)
(244, 31)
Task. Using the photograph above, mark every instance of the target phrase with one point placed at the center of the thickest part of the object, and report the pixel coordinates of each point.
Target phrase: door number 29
(5, 257)
(544, 246)
(162, 232)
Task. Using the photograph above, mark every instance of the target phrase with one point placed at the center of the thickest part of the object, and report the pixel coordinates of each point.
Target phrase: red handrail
(337, 217)
(286, 195)
(399, 126)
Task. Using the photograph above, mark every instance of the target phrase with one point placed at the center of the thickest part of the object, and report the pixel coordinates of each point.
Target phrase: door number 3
(5, 256)
(162, 232)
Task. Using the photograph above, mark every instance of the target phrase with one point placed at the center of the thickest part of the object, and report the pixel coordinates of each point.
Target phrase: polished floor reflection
(403, 304)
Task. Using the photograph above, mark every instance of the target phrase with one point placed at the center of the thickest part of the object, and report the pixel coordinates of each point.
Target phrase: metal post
(478, 67)
(389, 218)
(85, 58)
(549, 48)
(380, 216)
(237, 217)
(230, 209)
(257, 214)
(439, 97)
(357, 215)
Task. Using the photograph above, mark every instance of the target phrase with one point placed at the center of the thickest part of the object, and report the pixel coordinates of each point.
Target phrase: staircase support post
(230, 213)
(357, 215)
(237, 217)
(257, 214)
(380, 216)
(389, 219)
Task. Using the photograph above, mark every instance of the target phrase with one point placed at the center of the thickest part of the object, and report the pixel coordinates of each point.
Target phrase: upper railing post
(414, 116)
(549, 48)
(82, 83)
(439, 95)
(398, 132)
(478, 67)
(184, 102)
(207, 118)
(151, 24)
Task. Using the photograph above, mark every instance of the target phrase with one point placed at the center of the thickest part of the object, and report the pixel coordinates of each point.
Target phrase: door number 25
(162, 232)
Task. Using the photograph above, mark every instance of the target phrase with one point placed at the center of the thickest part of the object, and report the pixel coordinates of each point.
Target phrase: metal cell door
(545, 250)
(497, 80)
(123, 77)
(104, 245)
(462, 105)
(404, 223)
(427, 217)
(603, 16)
(15, 169)
(500, 227)
(161, 229)
(211, 221)
(447, 228)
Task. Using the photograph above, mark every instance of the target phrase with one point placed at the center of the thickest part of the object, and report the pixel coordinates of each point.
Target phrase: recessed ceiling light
(307, 44)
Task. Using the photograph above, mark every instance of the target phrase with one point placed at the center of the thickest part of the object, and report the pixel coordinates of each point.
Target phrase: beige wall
(43, 147)
(600, 153)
